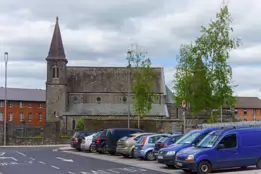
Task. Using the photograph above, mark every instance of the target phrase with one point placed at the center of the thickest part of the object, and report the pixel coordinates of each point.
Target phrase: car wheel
(204, 167)
(170, 166)
(149, 156)
(92, 149)
(78, 149)
(104, 149)
(125, 156)
(258, 164)
(112, 153)
(132, 153)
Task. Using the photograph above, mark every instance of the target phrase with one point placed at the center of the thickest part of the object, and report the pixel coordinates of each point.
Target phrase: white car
(86, 143)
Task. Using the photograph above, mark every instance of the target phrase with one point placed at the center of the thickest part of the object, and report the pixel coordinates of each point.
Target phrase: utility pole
(5, 117)
(129, 84)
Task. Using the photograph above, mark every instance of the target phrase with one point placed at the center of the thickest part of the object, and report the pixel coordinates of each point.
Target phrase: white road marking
(9, 158)
(66, 160)
(42, 162)
(68, 172)
(1, 154)
(20, 153)
(32, 159)
(55, 167)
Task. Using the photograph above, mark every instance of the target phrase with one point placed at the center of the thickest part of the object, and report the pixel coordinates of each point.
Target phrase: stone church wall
(105, 79)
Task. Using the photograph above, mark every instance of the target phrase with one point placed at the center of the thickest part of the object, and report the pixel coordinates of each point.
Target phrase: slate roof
(169, 95)
(248, 103)
(110, 109)
(19, 94)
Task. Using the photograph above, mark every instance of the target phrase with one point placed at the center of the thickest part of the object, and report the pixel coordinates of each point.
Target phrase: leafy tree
(203, 76)
(143, 81)
(80, 125)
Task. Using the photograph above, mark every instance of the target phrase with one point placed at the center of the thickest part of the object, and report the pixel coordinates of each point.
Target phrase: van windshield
(209, 141)
(188, 138)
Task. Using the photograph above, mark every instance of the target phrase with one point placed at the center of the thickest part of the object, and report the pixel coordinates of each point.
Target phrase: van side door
(226, 152)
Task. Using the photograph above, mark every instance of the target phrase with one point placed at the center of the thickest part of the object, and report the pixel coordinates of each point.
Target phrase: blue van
(227, 148)
(167, 155)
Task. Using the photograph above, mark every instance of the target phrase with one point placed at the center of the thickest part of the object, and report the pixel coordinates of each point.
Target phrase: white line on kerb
(42, 162)
(55, 167)
(20, 153)
(32, 158)
(71, 172)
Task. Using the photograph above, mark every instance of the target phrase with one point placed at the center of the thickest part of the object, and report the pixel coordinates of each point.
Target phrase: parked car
(87, 142)
(94, 141)
(107, 141)
(228, 148)
(125, 145)
(145, 146)
(164, 142)
(167, 155)
(77, 139)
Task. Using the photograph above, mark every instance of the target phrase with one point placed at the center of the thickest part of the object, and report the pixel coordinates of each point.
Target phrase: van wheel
(149, 156)
(204, 167)
(258, 164)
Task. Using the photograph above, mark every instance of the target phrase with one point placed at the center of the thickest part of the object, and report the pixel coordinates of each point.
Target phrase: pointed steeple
(56, 48)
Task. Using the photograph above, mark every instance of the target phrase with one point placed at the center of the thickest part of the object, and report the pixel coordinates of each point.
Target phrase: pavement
(65, 160)
(47, 160)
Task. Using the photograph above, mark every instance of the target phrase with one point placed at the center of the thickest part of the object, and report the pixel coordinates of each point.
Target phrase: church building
(80, 92)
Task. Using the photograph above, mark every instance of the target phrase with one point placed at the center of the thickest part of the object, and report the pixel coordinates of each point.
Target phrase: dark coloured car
(107, 142)
(77, 139)
(165, 142)
(94, 141)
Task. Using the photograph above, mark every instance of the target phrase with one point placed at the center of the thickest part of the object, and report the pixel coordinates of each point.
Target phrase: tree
(143, 81)
(80, 125)
(214, 47)
(203, 76)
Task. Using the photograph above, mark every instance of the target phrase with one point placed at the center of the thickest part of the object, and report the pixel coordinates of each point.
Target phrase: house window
(1, 104)
(55, 72)
(11, 104)
(21, 116)
(29, 105)
(75, 99)
(41, 105)
(245, 112)
(1, 116)
(40, 117)
(21, 105)
(236, 111)
(30, 117)
(10, 116)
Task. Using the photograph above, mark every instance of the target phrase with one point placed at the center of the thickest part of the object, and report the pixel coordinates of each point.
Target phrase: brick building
(24, 106)
(248, 108)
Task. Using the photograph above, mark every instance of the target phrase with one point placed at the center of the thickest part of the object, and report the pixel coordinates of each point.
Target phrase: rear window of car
(123, 133)
(140, 140)
(162, 140)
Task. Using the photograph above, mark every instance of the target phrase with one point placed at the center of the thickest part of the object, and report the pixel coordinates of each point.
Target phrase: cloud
(98, 33)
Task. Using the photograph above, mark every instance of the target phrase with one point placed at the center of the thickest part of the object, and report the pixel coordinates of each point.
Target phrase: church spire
(56, 48)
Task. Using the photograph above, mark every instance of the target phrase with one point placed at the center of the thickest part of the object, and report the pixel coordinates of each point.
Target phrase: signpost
(183, 105)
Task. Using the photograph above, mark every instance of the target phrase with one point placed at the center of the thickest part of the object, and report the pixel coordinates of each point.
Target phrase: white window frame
(21, 116)
(41, 105)
(11, 105)
(30, 117)
(1, 116)
(29, 105)
(2, 104)
(21, 105)
(41, 117)
(10, 116)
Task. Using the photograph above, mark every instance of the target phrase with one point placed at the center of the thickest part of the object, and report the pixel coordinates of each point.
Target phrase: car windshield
(209, 141)
(188, 138)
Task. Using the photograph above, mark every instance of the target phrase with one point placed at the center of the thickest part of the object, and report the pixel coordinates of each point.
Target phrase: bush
(31, 138)
(66, 137)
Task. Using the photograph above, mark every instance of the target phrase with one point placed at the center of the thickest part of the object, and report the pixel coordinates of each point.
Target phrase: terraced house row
(23, 106)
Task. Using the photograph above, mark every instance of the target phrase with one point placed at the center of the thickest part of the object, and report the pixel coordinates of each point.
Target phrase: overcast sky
(99, 32)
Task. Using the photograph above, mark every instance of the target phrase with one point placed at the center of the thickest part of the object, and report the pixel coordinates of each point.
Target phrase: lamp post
(5, 117)
(128, 99)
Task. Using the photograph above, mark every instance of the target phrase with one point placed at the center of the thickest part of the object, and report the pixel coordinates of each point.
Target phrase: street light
(5, 117)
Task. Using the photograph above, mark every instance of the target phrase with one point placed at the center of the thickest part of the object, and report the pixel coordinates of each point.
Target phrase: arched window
(55, 72)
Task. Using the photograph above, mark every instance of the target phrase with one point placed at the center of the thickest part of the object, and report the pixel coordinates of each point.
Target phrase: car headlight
(190, 157)
(171, 153)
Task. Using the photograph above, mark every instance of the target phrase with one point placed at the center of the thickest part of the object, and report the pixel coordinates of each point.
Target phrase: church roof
(56, 50)
(109, 109)
(19, 94)
(169, 95)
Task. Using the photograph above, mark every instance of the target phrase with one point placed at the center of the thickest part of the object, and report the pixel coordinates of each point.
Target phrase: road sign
(238, 117)
(183, 104)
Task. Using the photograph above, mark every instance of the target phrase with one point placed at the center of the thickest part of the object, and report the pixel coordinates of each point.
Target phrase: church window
(55, 72)
(75, 99)
(124, 99)
(98, 99)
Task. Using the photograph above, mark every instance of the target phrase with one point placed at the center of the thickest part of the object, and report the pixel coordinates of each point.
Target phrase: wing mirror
(220, 146)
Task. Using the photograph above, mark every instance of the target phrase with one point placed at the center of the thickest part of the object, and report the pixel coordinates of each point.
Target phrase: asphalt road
(46, 161)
